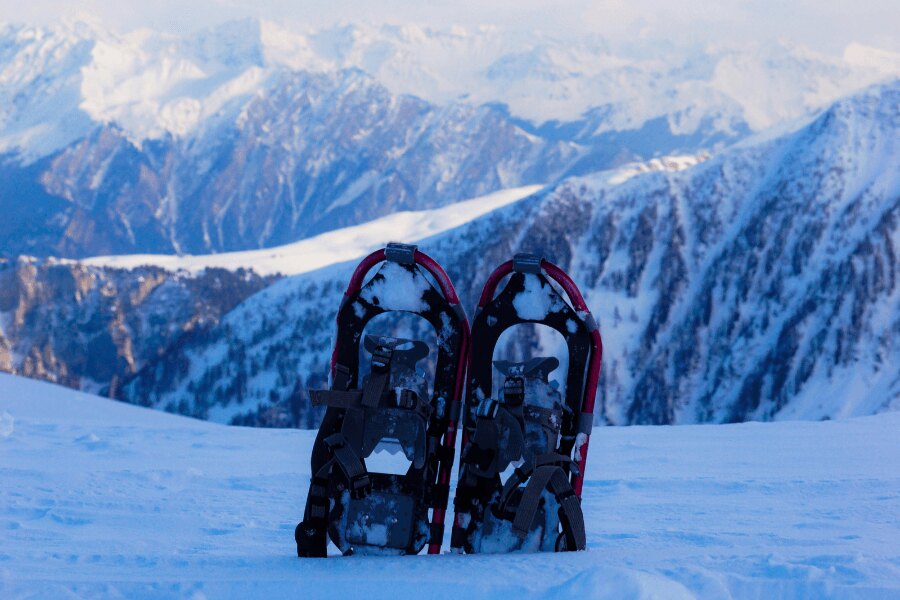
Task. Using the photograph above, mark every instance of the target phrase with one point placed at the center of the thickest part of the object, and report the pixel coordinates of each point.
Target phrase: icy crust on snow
(104, 499)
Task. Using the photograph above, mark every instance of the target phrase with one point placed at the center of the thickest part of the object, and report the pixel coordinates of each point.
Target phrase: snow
(106, 499)
(536, 300)
(400, 289)
(7, 425)
(667, 163)
(334, 246)
(860, 55)
(60, 81)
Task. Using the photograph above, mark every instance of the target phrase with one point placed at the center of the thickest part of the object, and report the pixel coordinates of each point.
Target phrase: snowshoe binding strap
(553, 479)
(539, 367)
(496, 443)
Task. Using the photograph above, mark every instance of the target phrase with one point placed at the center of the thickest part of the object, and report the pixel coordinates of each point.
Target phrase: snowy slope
(105, 499)
(355, 242)
(759, 284)
(128, 313)
(331, 247)
(88, 327)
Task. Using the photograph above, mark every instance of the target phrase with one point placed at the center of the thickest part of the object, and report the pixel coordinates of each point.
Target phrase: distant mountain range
(762, 283)
(249, 135)
(735, 233)
(759, 284)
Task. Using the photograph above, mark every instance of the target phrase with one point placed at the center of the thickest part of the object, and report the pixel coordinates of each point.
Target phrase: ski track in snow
(101, 499)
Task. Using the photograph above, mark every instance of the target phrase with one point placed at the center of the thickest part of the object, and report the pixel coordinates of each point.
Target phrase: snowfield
(102, 499)
(336, 246)
(355, 242)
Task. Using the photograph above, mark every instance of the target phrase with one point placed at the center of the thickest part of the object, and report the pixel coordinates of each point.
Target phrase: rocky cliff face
(760, 284)
(92, 328)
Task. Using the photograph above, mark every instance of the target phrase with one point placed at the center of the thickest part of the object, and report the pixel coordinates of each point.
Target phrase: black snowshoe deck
(530, 426)
(380, 513)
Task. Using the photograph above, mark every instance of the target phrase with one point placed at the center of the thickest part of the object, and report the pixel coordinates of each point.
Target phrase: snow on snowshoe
(530, 426)
(365, 512)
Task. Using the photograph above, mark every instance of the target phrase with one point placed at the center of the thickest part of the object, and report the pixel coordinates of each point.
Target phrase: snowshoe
(529, 428)
(365, 512)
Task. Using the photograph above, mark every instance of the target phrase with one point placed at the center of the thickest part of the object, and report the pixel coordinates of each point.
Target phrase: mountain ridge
(251, 135)
(744, 288)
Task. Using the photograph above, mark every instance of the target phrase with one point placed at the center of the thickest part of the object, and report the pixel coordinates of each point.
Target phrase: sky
(824, 25)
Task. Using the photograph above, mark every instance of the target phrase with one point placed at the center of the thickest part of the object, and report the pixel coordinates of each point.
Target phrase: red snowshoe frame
(494, 315)
(432, 482)
(449, 442)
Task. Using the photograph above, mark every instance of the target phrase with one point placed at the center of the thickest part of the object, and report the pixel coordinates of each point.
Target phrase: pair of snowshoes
(523, 449)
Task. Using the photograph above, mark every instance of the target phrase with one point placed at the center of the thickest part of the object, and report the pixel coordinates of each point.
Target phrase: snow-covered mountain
(102, 499)
(311, 153)
(90, 328)
(335, 246)
(251, 135)
(759, 284)
(152, 84)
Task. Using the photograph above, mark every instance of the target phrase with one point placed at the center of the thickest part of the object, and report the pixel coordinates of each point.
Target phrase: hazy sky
(826, 25)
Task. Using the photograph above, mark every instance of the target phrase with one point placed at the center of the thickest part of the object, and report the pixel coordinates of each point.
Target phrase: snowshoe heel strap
(552, 477)
(571, 517)
(530, 501)
(351, 465)
(538, 367)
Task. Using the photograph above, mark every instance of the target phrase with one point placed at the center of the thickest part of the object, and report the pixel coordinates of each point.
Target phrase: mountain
(103, 499)
(251, 135)
(91, 325)
(152, 84)
(759, 284)
(337, 246)
(89, 328)
(312, 153)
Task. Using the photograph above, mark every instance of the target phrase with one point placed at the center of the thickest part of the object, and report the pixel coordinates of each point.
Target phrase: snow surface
(334, 246)
(107, 499)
